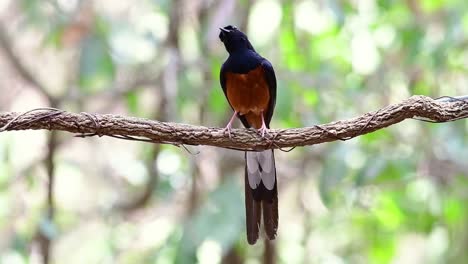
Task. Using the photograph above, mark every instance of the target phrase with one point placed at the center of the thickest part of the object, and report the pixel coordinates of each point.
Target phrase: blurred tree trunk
(232, 257)
(269, 253)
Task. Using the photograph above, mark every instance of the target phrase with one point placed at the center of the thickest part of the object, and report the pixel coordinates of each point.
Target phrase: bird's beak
(224, 30)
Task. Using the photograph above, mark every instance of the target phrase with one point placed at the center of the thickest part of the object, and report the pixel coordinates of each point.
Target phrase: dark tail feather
(270, 215)
(270, 206)
(252, 213)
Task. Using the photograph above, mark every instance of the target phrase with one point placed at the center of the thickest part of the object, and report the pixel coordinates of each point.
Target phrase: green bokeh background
(398, 195)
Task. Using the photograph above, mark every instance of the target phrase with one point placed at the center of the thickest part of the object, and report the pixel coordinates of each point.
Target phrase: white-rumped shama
(249, 84)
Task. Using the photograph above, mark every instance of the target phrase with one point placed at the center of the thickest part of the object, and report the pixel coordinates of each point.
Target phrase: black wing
(271, 81)
(222, 79)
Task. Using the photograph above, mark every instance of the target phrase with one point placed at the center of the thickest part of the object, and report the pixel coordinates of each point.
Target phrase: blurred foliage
(397, 195)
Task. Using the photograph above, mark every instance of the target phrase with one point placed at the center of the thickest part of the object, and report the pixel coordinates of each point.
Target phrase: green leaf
(382, 248)
(293, 57)
(378, 137)
(422, 88)
(388, 212)
(453, 211)
(217, 102)
(311, 97)
(432, 5)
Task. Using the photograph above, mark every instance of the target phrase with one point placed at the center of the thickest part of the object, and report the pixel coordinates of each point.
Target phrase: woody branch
(132, 128)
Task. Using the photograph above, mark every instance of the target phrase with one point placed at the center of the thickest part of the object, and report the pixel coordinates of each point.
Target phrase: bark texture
(132, 128)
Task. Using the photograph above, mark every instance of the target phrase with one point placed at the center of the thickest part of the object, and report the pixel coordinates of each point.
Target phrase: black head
(234, 39)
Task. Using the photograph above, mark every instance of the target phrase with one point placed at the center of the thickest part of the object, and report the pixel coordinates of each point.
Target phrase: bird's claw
(263, 130)
(228, 126)
(228, 129)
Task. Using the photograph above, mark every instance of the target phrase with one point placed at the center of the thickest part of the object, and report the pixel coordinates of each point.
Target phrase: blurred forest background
(398, 195)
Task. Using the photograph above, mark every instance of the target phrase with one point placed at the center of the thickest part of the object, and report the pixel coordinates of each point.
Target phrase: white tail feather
(265, 160)
(253, 172)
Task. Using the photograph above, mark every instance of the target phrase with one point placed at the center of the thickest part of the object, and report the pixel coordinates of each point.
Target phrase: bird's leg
(229, 125)
(264, 128)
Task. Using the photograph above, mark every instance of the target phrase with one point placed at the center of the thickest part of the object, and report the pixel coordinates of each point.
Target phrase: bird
(249, 83)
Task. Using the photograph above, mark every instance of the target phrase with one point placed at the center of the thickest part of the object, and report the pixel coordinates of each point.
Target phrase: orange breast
(248, 94)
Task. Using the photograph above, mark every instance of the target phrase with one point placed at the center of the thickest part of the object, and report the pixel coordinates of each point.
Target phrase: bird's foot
(228, 129)
(229, 125)
(263, 130)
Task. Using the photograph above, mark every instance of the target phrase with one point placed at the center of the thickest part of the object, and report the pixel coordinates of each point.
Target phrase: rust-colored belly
(248, 94)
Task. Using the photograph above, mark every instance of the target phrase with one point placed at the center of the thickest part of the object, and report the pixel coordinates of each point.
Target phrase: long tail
(261, 194)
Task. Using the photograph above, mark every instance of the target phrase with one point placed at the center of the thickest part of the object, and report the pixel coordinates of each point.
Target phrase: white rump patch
(253, 172)
(265, 160)
(267, 163)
